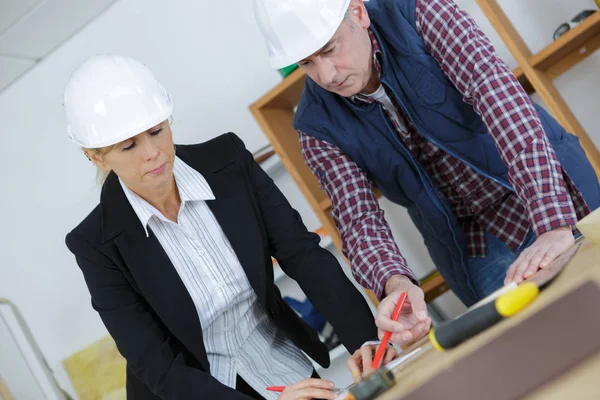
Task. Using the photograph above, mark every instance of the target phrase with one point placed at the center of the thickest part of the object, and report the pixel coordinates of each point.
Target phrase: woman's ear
(96, 158)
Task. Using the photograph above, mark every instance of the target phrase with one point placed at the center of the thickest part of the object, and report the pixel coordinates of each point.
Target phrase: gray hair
(348, 16)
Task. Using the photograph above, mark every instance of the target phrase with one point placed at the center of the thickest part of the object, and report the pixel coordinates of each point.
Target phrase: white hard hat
(295, 29)
(112, 98)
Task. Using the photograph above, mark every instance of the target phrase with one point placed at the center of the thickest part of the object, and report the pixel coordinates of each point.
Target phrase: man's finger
(550, 256)
(401, 338)
(534, 263)
(390, 354)
(525, 265)
(512, 270)
(385, 323)
(417, 331)
(421, 329)
(510, 273)
(417, 302)
(366, 353)
(521, 264)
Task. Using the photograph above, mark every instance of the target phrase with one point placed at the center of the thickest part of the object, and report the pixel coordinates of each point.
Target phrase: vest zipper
(427, 185)
(431, 195)
(432, 140)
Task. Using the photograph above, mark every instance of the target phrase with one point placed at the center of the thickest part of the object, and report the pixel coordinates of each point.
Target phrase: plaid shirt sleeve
(469, 60)
(367, 239)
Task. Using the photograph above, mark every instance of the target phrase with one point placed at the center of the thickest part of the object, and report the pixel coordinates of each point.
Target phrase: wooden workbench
(581, 382)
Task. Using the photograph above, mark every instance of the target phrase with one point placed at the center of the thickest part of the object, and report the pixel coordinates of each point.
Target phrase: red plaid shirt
(544, 198)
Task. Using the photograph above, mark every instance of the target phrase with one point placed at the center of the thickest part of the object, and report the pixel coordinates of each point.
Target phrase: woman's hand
(360, 362)
(309, 389)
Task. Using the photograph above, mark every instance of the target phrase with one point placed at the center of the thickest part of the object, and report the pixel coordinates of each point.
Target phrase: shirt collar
(192, 186)
(377, 57)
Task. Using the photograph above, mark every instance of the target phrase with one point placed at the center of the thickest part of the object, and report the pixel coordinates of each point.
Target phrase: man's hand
(413, 322)
(542, 252)
(360, 364)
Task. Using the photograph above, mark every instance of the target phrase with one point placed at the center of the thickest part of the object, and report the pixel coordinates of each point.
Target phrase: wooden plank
(515, 43)
(520, 75)
(570, 42)
(277, 125)
(4, 392)
(286, 94)
(574, 58)
(325, 205)
(264, 157)
(434, 287)
(540, 80)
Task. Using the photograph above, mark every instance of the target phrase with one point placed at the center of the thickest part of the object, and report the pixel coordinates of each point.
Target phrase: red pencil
(282, 388)
(387, 334)
(276, 388)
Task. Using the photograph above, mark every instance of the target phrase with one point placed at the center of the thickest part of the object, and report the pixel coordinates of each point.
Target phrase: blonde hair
(101, 174)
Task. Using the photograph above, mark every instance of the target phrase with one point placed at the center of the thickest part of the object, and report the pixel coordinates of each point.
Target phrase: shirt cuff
(551, 212)
(385, 271)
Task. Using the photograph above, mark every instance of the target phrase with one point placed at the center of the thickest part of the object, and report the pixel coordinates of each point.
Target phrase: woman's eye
(156, 132)
(131, 146)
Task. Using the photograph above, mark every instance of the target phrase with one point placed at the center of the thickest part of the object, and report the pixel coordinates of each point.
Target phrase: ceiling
(32, 29)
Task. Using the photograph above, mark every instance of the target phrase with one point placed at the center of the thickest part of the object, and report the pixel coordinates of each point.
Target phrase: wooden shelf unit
(536, 71)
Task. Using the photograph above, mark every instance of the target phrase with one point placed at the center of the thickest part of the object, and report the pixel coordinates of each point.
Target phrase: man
(409, 96)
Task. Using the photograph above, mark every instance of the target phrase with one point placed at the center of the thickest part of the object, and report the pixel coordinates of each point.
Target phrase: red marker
(387, 334)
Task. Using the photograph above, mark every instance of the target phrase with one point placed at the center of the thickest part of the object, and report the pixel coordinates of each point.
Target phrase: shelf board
(325, 204)
(434, 286)
(520, 75)
(285, 94)
(570, 42)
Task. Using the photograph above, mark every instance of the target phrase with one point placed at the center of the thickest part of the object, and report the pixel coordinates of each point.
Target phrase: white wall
(193, 47)
(49, 186)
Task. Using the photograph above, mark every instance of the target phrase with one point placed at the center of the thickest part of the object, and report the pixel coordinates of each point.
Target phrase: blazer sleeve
(155, 357)
(301, 257)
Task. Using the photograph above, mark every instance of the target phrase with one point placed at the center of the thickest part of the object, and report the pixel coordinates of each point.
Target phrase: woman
(177, 255)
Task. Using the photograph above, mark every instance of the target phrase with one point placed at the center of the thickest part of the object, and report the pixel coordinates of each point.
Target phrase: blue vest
(435, 107)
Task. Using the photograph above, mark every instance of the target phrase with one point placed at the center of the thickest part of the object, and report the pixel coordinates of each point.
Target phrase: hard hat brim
(290, 59)
(125, 135)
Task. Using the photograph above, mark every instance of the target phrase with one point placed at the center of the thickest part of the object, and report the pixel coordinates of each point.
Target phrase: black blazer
(146, 307)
